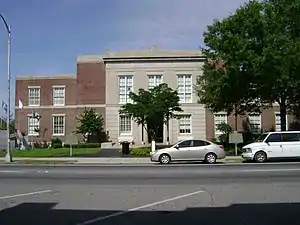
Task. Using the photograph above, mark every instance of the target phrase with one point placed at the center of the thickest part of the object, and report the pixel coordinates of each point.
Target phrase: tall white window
(255, 123)
(185, 124)
(218, 119)
(278, 122)
(34, 95)
(125, 87)
(125, 125)
(184, 83)
(33, 125)
(154, 80)
(58, 96)
(58, 125)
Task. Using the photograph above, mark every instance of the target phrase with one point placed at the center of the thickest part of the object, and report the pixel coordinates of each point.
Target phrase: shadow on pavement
(237, 214)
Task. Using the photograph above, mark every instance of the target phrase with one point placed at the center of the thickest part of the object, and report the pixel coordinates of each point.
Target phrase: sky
(47, 36)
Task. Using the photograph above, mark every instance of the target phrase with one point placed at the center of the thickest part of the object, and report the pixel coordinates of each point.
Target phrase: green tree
(90, 124)
(152, 108)
(12, 124)
(258, 47)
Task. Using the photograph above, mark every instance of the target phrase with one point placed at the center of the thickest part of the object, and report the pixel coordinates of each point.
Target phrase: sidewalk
(103, 160)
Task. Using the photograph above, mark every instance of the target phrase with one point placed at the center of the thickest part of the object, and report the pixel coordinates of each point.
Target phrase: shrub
(144, 151)
(84, 145)
(56, 143)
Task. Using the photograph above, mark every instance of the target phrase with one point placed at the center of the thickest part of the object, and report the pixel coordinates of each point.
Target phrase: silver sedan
(189, 150)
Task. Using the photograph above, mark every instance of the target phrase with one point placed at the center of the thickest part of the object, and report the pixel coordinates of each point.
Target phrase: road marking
(270, 170)
(25, 194)
(139, 208)
(11, 171)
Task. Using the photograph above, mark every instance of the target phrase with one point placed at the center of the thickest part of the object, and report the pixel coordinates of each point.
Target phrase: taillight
(222, 147)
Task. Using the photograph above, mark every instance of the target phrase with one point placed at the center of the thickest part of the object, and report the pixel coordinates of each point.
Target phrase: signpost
(236, 138)
(71, 140)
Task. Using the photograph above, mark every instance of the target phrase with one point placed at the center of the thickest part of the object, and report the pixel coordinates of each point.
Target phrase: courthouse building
(104, 82)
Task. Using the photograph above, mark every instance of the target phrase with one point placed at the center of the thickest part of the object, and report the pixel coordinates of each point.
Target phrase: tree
(91, 124)
(12, 124)
(258, 47)
(152, 108)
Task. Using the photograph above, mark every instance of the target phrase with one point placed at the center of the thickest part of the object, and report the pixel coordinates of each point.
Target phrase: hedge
(84, 145)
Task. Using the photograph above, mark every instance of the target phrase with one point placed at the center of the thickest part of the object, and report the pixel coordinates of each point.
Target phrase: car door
(291, 144)
(198, 150)
(182, 150)
(274, 145)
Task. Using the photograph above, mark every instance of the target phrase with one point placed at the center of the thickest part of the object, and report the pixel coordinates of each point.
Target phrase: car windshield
(261, 137)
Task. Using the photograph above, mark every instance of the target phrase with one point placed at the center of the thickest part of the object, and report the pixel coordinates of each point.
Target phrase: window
(274, 138)
(33, 124)
(219, 118)
(125, 125)
(34, 96)
(58, 96)
(255, 123)
(154, 80)
(185, 124)
(125, 87)
(185, 144)
(184, 83)
(58, 128)
(278, 121)
(289, 137)
(199, 143)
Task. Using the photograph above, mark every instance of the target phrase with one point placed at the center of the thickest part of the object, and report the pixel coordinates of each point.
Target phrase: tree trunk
(282, 107)
(168, 132)
(142, 133)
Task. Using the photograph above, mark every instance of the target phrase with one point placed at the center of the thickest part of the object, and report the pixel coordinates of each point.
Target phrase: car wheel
(210, 158)
(164, 159)
(260, 157)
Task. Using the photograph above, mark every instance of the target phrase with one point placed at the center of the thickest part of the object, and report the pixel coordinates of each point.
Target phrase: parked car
(189, 150)
(285, 144)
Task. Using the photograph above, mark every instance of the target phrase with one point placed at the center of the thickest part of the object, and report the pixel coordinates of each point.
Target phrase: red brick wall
(91, 83)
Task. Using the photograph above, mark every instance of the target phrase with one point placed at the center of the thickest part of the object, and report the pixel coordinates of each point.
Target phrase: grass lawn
(60, 152)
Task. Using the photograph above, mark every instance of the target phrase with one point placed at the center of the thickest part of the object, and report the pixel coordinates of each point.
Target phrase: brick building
(104, 81)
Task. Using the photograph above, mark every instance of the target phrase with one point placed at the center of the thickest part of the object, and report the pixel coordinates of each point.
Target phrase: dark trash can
(125, 148)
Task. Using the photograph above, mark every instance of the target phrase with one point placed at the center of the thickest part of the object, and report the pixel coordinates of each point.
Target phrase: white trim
(155, 73)
(184, 72)
(287, 122)
(63, 90)
(260, 121)
(191, 125)
(226, 121)
(30, 116)
(58, 114)
(63, 107)
(34, 87)
(64, 120)
(126, 73)
(58, 86)
(119, 133)
(184, 75)
(132, 87)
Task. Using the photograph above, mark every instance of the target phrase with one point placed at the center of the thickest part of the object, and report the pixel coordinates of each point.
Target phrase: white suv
(285, 144)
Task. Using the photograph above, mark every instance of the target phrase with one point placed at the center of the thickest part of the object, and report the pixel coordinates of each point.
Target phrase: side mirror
(176, 146)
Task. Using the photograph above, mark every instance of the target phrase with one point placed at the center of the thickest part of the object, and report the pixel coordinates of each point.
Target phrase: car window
(198, 143)
(183, 144)
(274, 138)
(287, 137)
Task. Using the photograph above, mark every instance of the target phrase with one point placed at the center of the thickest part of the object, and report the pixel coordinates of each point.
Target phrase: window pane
(184, 85)
(125, 87)
(287, 137)
(58, 96)
(58, 125)
(33, 124)
(125, 125)
(185, 125)
(187, 143)
(274, 138)
(34, 96)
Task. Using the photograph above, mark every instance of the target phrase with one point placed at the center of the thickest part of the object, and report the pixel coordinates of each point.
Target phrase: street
(173, 194)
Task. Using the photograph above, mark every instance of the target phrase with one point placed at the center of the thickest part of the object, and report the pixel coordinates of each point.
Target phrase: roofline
(58, 77)
(106, 59)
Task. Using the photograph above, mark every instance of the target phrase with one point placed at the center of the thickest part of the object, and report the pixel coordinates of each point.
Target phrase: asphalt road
(174, 194)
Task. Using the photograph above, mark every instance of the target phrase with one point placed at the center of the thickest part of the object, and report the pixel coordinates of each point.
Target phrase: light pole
(8, 157)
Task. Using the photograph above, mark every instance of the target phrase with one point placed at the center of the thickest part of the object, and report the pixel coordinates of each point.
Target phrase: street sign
(71, 139)
(236, 138)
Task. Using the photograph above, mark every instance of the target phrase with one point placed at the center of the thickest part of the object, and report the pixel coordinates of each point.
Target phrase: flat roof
(53, 77)
(147, 54)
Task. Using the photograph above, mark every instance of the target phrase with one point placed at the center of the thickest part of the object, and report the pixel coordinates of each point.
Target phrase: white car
(189, 150)
(285, 144)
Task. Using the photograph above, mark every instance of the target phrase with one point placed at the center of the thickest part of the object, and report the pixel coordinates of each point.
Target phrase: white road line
(270, 170)
(139, 208)
(25, 194)
(11, 171)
